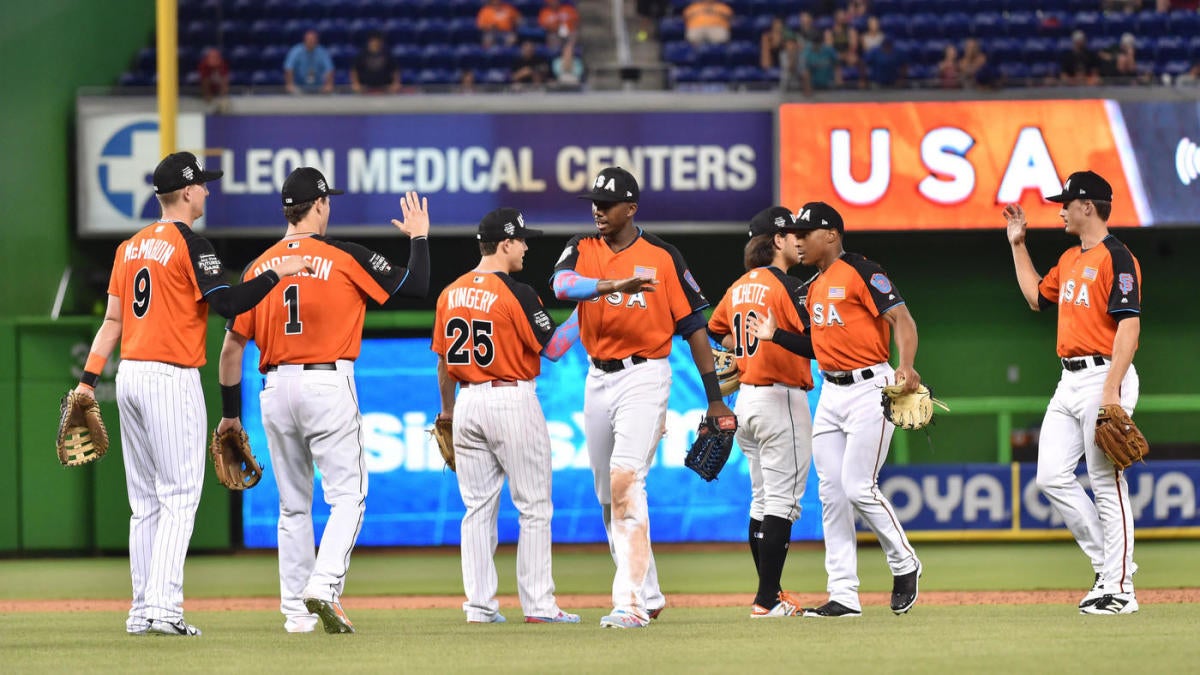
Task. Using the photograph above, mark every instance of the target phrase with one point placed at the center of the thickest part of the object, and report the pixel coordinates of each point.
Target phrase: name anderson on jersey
(320, 265)
(471, 298)
(150, 249)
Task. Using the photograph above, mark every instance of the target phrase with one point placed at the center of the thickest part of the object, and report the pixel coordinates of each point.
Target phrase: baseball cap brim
(532, 233)
(1061, 198)
(335, 192)
(206, 176)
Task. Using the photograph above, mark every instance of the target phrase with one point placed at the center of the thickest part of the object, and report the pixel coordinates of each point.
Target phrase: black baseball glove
(714, 441)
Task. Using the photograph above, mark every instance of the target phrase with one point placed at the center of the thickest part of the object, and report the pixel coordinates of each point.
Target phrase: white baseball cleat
(1095, 594)
(178, 628)
(561, 617)
(1113, 603)
(495, 618)
(622, 619)
(788, 606)
(300, 624)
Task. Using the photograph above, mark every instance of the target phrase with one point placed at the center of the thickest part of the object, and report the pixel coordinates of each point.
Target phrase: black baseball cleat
(655, 612)
(832, 610)
(904, 591)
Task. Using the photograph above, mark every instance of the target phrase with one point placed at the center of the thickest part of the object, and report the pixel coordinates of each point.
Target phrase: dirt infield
(1065, 597)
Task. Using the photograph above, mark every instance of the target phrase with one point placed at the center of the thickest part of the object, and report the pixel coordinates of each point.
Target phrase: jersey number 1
(291, 300)
(479, 333)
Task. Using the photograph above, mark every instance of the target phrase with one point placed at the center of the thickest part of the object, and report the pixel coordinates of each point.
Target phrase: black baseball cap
(772, 220)
(613, 184)
(1084, 185)
(306, 184)
(819, 216)
(179, 170)
(505, 223)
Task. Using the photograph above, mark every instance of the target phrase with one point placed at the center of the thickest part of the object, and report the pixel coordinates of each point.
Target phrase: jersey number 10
(744, 344)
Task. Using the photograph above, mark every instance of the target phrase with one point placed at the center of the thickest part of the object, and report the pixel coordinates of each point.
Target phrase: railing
(1004, 407)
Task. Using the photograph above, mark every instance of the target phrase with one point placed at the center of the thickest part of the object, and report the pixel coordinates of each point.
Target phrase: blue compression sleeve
(568, 285)
(566, 335)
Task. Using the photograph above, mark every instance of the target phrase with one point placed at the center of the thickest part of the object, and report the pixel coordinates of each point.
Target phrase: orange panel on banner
(948, 165)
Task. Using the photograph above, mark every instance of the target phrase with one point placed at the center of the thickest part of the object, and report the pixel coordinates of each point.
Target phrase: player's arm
(565, 336)
(226, 300)
(702, 355)
(415, 213)
(229, 373)
(1125, 307)
(768, 330)
(570, 285)
(446, 388)
(1125, 344)
(103, 345)
(1027, 276)
(905, 330)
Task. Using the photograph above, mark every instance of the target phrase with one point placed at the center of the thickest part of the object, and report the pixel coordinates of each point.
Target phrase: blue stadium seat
(1153, 24)
(361, 9)
(685, 75)
(715, 74)
(742, 54)
(1038, 50)
(436, 76)
(743, 28)
(1026, 5)
(531, 32)
(1055, 23)
(239, 78)
(437, 9)
(267, 78)
(1003, 50)
(884, 7)
(406, 55)
(198, 32)
(495, 76)
(1044, 70)
(895, 25)
(988, 25)
(292, 31)
(1185, 24)
(1014, 71)
(670, 29)
(920, 6)
(850, 74)
(749, 75)
(341, 77)
(464, 8)
(469, 56)
(146, 60)
(312, 10)
(679, 53)
(245, 11)
(399, 31)
(1104, 43)
(265, 32)
(1090, 23)
(188, 57)
(343, 54)
(191, 78)
(710, 55)
(244, 57)
(1194, 48)
(1172, 68)
(273, 56)
(463, 30)
(911, 49)
(501, 57)
(201, 10)
(1022, 24)
(919, 72)
(1170, 48)
(332, 31)
(1116, 23)
(955, 25)
(432, 31)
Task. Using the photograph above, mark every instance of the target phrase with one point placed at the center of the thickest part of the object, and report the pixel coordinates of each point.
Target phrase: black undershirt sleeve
(233, 300)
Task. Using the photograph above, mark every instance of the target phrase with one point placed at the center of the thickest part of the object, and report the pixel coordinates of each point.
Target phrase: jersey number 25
(478, 333)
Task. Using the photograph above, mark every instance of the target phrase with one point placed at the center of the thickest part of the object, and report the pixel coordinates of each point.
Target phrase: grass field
(973, 638)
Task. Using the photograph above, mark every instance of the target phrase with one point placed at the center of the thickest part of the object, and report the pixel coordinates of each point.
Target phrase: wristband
(231, 401)
(712, 386)
(89, 379)
(92, 369)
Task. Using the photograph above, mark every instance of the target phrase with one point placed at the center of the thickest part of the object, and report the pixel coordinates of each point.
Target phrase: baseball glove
(443, 433)
(234, 463)
(913, 410)
(727, 371)
(714, 441)
(82, 437)
(1119, 437)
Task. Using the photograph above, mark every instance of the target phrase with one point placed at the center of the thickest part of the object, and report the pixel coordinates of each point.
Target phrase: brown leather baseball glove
(233, 462)
(443, 433)
(82, 437)
(1119, 437)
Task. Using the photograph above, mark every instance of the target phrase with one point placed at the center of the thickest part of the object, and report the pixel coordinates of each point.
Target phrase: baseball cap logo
(1067, 186)
(510, 229)
(604, 183)
(520, 221)
(321, 185)
(780, 222)
(188, 174)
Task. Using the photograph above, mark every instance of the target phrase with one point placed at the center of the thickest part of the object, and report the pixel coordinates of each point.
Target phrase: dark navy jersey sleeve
(539, 319)
(797, 292)
(1125, 296)
(570, 255)
(392, 278)
(210, 274)
(883, 292)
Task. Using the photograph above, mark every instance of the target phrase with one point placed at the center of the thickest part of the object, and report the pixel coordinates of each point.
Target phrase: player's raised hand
(292, 264)
(763, 329)
(634, 285)
(415, 210)
(1015, 215)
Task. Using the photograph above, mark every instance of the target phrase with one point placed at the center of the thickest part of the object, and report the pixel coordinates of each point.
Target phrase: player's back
(317, 316)
(758, 292)
(161, 275)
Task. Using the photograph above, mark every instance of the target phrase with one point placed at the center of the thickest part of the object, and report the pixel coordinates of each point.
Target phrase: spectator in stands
(858, 8)
(707, 22)
(530, 68)
(772, 45)
(1191, 78)
(650, 12)
(560, 21)
(845, 38)
(949, 71)
(1079, 65)
(821, 65)
(374, 71)
(214, 76)
(872, 37)
(466, 84)
(567, 67)
(308, 67)
(885, 66)
(497, 22)
(974, 65)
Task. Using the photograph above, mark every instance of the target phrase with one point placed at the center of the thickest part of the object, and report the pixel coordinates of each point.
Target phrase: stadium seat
(1022, 24)
(715, 74)
(1194, 48)
(406, 56)
(469, 56)
(1014, 73)
(685, 75)
(208, 10)
(198, 32)
(245, 11)
(432, 31)
(1037, 50)
(267, 78)
(710, 55)
(1153, 24)
(399, 32)
(1044, 70)
(742, 54)
(1185, 24)
(501, 57)
(988, 25)
(244, 57)
(1090, 23)
(146, 60)
(749, 75)
(436, 76)
(1170, 48)
(463, 30)
(1055, 23)
(670, 29)
(292, 31)
(931, 51)
(310, 10)
(273, 56)
(920, 72)
(531, 32)
(679, 53)
(895, 25)
(438, 9)
(743, 28)
(955, 25)
(343, 54)
(434, 57)
(332, 31)
(495, 76)
(464, 9)
(1003, 50)
(1172, 68)
(885, 7)
(924, 26)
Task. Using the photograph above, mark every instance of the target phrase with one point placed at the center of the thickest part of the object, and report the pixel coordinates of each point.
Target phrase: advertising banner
(1166, 137)
(952, 165)
(692, 167)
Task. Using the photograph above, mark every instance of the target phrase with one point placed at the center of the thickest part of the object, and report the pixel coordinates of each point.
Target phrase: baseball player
(853, 308)
(1097, 289)
(634, 292)
(488, 332)
(164, 280)
(309, 332)
(775, 427)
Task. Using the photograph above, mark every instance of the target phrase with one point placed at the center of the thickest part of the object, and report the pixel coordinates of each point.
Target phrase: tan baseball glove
(82, 437)
(727, 371)
(443, 433)
(913, 410)
(233, 462)
(1119, 437)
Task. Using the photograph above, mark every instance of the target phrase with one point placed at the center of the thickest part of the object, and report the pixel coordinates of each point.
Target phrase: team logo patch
(837, 292)
(188, 173)
(691, 281)
(647, 272)
(1125, 282)
(542, 320)
(1089, 273)
(881, 283)
(209, 264)
(321, 185)
(510, 229)
(380, 264)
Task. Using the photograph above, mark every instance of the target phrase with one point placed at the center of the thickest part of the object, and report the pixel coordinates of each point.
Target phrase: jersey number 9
(141, 292)
(478, 333)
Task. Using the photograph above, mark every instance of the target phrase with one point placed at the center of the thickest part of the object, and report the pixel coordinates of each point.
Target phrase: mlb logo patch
(293, 244)
(477, 280)
(837, 292)
(881, 283)
(1089, 273)
(647, 272)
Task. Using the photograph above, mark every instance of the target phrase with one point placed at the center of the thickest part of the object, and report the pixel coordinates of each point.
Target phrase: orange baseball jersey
(316, 317)
(1094, 289)
(489, 326)
(757, 292)
(616, 326)
(846, 303)
(161, 274)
